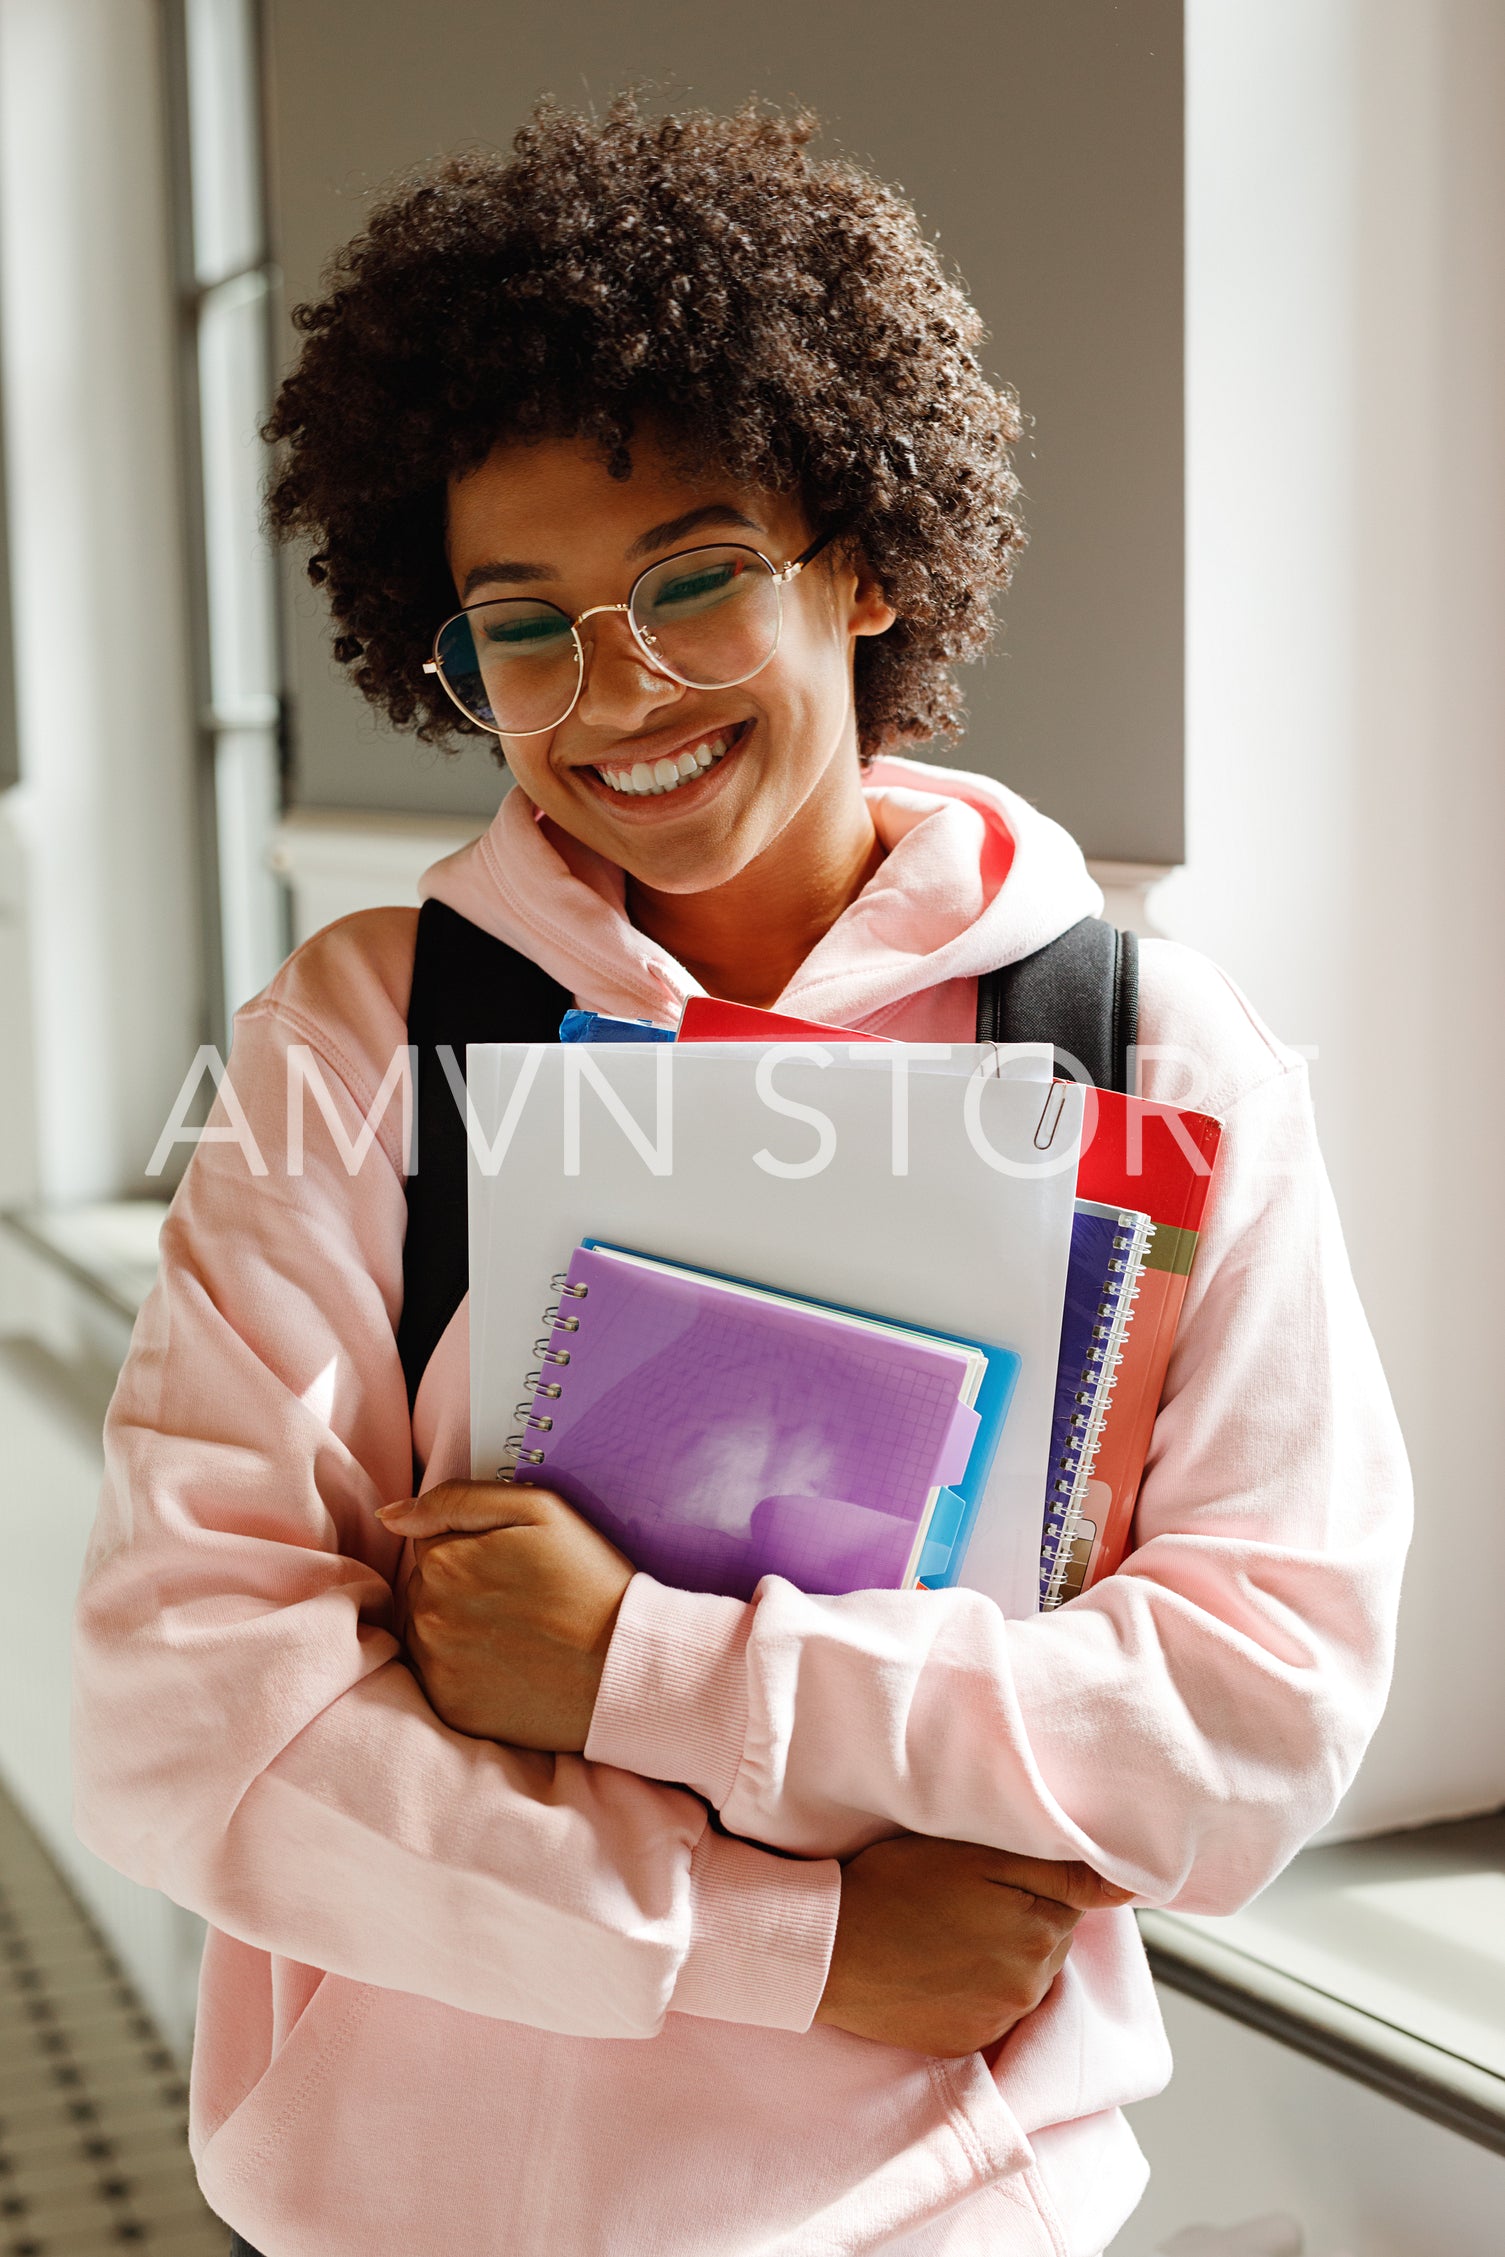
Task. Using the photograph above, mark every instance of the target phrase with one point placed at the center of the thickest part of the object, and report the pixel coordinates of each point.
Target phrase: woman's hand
(511, 1607)
(943, 1946)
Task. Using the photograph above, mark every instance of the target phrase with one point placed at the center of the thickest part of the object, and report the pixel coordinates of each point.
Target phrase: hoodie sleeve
(1185, 1725)
(248, 1738)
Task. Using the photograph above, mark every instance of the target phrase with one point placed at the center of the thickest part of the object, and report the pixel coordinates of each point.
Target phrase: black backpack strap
(467, 987)
(1079, 993)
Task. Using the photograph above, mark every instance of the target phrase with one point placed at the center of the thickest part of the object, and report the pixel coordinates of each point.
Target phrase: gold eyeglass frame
(781, 574)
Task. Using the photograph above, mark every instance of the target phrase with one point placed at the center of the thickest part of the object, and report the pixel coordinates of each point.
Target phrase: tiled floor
(93, 2154)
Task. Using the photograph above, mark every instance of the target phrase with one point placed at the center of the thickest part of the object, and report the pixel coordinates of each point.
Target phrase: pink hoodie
(458, 1999)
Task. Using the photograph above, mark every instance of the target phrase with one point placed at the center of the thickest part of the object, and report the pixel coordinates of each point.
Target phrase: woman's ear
(871, 612)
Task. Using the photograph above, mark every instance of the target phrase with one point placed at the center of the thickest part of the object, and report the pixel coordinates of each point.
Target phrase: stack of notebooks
(1149, 1168)
(722, 1428)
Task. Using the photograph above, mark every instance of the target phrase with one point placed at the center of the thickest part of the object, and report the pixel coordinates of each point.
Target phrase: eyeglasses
(708, 618)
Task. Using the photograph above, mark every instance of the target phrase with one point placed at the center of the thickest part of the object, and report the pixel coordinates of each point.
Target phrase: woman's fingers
(1074, 1885)
(456, 1508)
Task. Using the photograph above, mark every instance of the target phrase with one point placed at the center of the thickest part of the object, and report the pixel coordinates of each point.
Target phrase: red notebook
(707, 1020)
(1157, 1159)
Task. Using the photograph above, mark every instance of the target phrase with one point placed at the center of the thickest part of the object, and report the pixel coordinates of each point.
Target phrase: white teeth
(645, 779)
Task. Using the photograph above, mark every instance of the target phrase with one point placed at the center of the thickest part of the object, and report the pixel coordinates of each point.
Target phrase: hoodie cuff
(761, 1931)
(672, 1702)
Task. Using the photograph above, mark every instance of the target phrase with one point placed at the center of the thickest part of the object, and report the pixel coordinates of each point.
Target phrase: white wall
(18, 1121)
(1346, 688)
(105, 807)
(1248, 2128)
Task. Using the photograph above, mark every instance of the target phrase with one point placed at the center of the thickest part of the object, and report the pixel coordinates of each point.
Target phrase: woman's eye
(524, 634)
(690, 588)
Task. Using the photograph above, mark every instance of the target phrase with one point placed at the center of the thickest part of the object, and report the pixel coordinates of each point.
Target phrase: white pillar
(105, 807)
(1346, 687)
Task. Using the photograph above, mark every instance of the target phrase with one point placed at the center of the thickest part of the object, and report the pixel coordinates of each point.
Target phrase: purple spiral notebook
(719, 1432)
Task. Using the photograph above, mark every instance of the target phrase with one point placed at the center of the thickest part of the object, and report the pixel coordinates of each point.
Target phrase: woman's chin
(706, 848)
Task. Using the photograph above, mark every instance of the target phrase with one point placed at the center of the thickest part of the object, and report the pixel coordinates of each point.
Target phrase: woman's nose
(620, 688)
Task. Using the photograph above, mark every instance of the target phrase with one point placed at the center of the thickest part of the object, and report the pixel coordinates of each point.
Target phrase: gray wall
(1041, 138)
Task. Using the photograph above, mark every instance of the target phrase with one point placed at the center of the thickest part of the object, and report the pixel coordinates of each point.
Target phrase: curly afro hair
(781, 317)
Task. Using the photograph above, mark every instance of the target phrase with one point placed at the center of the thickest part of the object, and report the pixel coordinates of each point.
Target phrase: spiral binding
(1065, 1523)
(543, 1389)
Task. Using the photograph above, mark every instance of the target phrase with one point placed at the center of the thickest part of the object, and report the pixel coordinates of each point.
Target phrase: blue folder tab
(992, 1406)
(941, 1539)
(596, 1026)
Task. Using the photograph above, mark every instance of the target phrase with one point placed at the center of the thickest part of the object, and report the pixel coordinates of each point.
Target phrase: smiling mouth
(652, 779)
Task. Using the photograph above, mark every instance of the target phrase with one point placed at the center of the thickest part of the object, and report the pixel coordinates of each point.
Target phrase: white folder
(930, 1190)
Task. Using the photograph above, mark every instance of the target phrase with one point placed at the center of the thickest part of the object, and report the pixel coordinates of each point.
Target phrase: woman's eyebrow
(675, 528)
(486, 575)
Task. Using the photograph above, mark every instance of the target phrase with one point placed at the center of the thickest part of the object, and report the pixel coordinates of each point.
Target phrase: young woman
(484, 1973)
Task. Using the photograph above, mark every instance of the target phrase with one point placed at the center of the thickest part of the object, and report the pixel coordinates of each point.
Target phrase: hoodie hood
(973, 877)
